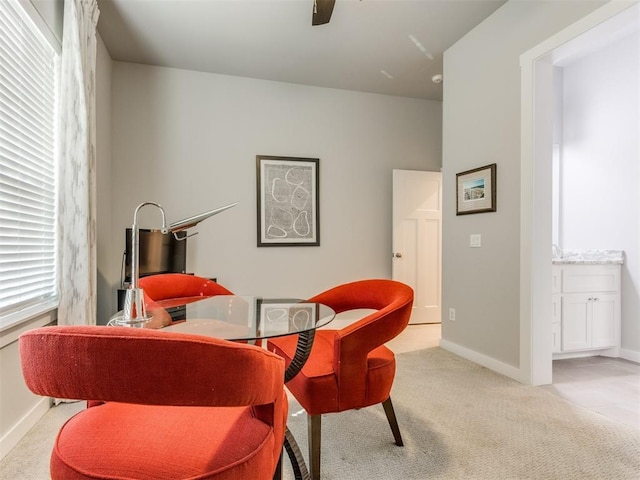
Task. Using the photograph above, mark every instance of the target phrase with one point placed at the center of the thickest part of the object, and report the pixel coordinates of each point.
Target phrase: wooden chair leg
(314, 427)
(393, 422)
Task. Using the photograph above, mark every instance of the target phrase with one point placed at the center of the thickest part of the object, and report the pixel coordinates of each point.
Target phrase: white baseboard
(484, 360)
(506, 369)
(632, 355)
(22, 427)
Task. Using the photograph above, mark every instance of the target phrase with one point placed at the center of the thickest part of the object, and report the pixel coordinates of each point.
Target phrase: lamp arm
(135, 241)
(144, 204)
(180, 239)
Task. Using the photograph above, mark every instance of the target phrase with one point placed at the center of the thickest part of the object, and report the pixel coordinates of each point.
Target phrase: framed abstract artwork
(288, 202)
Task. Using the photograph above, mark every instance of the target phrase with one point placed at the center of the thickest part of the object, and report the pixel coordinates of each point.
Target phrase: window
(28, 101)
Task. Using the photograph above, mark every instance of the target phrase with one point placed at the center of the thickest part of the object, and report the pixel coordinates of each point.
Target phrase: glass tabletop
(235, 317)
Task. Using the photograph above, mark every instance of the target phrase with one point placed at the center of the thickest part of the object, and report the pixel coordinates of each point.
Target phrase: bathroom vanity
(586, 303)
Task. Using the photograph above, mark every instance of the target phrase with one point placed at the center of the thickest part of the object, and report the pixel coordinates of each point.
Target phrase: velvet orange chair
(175, 405)
(180, 287)
(350, 368)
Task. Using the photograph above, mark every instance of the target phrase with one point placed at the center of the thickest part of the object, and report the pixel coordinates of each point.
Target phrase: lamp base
(120, 321)
(134, 313)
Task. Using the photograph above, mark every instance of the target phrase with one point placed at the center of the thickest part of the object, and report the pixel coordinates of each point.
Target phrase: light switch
(475, 240)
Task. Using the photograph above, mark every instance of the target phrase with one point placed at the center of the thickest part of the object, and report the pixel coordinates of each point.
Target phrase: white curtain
(77, 270)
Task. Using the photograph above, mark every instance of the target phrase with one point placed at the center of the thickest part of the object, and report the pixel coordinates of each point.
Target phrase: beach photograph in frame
(476, 190)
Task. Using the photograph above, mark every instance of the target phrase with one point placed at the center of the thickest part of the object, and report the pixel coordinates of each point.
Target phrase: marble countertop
(588, 257)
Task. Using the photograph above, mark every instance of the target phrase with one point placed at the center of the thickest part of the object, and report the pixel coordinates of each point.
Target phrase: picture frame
(288, 201)
(476, 190)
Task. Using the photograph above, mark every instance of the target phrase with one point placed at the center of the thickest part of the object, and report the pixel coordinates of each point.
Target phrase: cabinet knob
(397, 255)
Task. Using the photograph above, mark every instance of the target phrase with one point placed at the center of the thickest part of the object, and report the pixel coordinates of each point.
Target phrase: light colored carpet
(462, 421)
(458, 421)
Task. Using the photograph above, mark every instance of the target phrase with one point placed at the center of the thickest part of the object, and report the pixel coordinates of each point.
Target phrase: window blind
(28, 93)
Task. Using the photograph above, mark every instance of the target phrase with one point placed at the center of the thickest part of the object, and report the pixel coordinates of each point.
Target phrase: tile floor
(609, 386)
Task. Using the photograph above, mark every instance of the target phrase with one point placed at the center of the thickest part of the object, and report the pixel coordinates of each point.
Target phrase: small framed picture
(476, 190)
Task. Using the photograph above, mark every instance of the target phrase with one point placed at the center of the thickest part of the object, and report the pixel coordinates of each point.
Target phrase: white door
(417, 239)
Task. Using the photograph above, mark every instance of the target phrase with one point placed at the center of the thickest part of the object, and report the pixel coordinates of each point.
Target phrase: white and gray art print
(287, 201)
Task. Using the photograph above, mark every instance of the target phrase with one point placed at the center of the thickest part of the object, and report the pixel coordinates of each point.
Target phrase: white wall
(600, 198)
(188, 140)
(108, 270)
(49, 17)
(481, 125)
(19, 408)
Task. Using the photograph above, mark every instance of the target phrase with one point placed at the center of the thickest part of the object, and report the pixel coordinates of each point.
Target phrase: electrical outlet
(452, 314)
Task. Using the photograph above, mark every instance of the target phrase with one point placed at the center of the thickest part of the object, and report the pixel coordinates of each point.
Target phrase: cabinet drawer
(590, 279)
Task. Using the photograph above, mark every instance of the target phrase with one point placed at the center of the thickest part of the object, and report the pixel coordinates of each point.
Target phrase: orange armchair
(177, 405)
(180, 287)
(350, 368)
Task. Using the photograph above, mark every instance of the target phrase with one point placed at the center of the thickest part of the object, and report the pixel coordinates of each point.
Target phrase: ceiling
(391, 47)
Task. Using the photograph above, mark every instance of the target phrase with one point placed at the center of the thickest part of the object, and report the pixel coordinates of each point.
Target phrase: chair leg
(314, 427)
(393, 422)
(277, 475)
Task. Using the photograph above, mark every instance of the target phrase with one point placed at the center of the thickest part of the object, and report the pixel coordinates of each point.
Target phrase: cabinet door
(556, 279)
(556, 323)
(556, 332)
(603, 320)
(576, 322)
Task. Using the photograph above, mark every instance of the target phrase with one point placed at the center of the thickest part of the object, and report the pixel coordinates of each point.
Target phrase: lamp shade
(194, 220)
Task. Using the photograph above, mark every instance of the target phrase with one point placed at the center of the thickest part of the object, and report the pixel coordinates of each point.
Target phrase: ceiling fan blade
(322, 10)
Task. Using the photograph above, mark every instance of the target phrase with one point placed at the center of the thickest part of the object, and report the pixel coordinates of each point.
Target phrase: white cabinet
(556, 309)
(586, 309)
(589, 321)
(556, 323)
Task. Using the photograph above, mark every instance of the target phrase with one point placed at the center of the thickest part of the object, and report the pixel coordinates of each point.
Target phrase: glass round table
(240, 318)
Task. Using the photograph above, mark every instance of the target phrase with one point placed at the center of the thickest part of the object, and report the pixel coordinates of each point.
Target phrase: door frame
(535, 177)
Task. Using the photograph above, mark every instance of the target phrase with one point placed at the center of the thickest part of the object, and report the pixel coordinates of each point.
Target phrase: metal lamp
(134, 313)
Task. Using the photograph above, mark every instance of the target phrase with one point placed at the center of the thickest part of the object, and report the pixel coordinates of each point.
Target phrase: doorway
(417, 240)
(537, 139)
